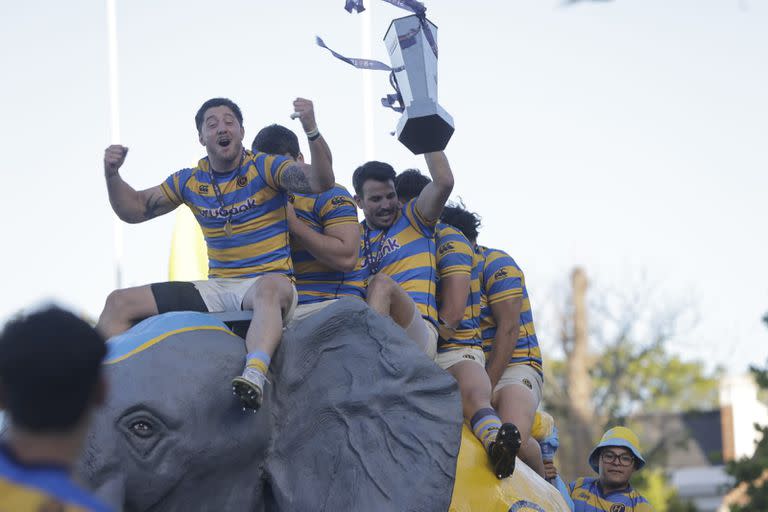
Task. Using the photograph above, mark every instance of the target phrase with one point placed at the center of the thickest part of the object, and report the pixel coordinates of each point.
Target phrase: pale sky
(630, 137)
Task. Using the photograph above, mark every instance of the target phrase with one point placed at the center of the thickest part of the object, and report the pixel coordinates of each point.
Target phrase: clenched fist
(114, 156)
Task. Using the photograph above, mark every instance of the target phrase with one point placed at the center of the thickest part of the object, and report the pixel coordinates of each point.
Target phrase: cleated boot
(249, 388)
(503, 450)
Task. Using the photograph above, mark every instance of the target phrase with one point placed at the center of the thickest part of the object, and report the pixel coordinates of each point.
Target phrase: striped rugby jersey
(500, 279)
(588, 496)
(35, 488)
(316, 281)
(455, 256)
(405, 252)
(254, 203)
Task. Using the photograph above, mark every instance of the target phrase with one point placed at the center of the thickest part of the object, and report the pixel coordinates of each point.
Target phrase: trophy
(424, 126)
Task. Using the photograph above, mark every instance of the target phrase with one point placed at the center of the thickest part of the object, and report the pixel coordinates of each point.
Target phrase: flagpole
(368, 100)
(114, 128)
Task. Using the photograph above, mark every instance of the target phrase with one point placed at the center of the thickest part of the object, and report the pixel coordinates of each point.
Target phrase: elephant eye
(142, 430)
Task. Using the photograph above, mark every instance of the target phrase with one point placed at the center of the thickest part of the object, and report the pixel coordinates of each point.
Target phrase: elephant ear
(363, 420)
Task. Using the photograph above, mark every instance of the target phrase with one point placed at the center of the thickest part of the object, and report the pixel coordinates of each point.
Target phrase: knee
(271, 287)
(380, 284)
(117, 302)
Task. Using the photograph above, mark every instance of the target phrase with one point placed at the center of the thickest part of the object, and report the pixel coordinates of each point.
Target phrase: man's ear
(200, 138)
(359, 201)
(300, 158)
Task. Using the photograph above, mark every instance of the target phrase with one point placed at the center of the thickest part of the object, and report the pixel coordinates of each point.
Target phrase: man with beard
(398, 247)
(239, 199)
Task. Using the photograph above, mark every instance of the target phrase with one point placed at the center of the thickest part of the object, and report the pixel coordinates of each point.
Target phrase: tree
(751, 473)
(625, 364)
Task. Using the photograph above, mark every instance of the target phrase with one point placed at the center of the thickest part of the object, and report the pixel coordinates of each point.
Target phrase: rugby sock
(258, 360)
(485, 424)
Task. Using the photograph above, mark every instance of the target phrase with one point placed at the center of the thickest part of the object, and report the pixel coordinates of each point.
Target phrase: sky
(629, 137)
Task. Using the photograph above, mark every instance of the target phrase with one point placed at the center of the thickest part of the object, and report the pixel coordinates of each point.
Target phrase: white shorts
(522, 375)
(423, 332)
(226, 294)
(451, 357)
(305, 310)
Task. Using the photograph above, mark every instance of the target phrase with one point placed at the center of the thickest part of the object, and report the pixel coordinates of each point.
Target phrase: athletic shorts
(305, 310)
(523, 375)
(457, 355)
(423, 332)
(211, 296)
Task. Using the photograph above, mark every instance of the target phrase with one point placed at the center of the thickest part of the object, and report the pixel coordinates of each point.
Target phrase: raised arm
(432, 199)
(318, 176)
(130, 205)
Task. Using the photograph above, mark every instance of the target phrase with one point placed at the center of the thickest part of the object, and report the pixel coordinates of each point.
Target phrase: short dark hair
(276, 140)
(217, 102)
(409, 184)
(372, 170)
(465, 221)
(50, 366)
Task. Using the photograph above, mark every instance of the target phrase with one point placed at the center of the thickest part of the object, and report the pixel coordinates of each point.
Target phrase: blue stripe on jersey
(45, 481)
(254, 204)
(501, 279)
(408, 257)
(587, 496)
(455, 255)
(316, 281)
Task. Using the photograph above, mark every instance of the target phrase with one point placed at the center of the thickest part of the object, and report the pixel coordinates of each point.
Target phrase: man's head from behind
(219, 124)
(50, 371)
(277, 140)
(616, 457)
(465, 221)
(409, 184)
(375, 194)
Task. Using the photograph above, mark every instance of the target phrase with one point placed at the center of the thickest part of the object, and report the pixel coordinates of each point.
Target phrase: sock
(485, 424)
(258, 360)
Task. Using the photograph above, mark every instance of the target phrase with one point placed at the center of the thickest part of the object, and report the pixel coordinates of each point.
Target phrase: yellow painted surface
(478, 490)
(189, 259)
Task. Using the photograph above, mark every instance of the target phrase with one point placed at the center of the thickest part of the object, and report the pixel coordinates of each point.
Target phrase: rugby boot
(249, 388)
(503, 450)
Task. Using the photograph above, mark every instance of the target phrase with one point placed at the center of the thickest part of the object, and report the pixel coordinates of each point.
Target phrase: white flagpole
(114, 115)
(368, 101)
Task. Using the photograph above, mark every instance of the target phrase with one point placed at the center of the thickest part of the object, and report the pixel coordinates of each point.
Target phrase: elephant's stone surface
(356, 418)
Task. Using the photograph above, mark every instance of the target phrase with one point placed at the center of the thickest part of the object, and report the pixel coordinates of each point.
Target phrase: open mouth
(224, 142)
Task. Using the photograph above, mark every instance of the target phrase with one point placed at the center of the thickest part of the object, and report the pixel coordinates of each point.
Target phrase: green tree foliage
(751, 471)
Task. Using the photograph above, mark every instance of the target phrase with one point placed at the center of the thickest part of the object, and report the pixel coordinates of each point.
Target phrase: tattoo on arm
(293, 179)
(153, 207)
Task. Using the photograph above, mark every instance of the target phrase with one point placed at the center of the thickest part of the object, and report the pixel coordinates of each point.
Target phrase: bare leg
(388, 298)
(270, 298)
(474, 386)
(124, 307)
(517, 404)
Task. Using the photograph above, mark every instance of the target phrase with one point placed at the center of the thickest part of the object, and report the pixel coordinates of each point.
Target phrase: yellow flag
(189, 256)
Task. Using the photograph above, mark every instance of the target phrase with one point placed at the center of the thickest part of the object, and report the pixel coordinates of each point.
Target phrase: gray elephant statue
(355, 418)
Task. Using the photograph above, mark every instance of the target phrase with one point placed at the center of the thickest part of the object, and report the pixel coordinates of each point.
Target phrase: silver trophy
(424, 126)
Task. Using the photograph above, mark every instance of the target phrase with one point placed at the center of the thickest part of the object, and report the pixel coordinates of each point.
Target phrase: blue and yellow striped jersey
(316, 281)
(406, 253)
(501, 279)
(455, 256)
(253, 203)
(588, 496)
(35, 488)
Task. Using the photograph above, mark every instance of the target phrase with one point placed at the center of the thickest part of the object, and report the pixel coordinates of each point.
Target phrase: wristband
(313, 135)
